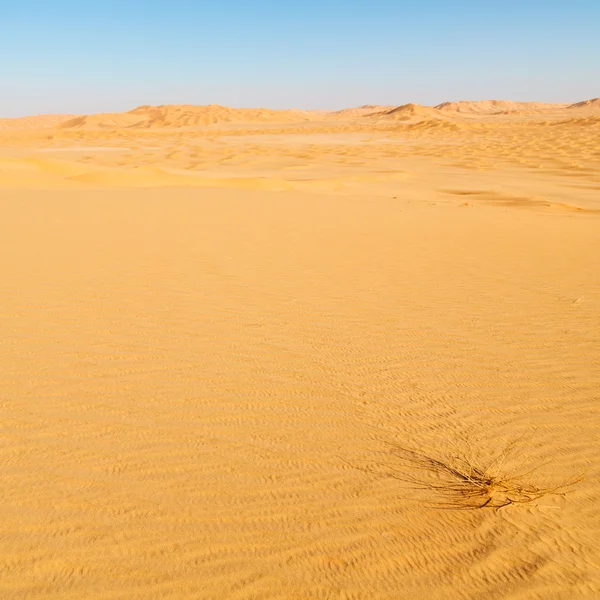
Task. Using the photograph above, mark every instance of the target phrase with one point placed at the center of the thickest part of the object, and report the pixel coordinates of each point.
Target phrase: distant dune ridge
(148, 117)
(411, 111)
(361, 111)
(191, 116)
(593, 103)
(34, 121)
(495, 106)
(403, 112)
(504, 106)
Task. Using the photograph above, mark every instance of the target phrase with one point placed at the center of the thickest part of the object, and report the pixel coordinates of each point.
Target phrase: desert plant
(461, 480)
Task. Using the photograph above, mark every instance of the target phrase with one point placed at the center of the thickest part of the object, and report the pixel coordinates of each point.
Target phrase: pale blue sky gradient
(82, 56)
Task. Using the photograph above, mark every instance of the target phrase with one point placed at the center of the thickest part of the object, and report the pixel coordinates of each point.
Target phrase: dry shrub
(462, 480)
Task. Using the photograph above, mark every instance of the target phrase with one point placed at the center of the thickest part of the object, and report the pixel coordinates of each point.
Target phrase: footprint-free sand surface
(218, 326)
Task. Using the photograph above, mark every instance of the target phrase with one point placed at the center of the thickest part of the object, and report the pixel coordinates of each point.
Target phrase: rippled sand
(213, 340)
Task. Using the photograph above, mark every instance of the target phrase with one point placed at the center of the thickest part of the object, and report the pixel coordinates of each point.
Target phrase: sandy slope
(34, 122)
(210, 338)
(593, 103)
(496, 106)
(177, 116)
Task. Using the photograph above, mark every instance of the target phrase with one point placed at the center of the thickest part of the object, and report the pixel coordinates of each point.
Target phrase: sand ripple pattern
(192, 381)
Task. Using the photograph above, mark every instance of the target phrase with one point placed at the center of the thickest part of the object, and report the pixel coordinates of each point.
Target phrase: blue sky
(108, 55)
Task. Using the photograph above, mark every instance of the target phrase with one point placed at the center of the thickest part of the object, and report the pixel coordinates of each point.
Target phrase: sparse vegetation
(459, 480)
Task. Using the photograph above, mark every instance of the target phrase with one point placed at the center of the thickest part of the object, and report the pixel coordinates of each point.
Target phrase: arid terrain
(259, 354)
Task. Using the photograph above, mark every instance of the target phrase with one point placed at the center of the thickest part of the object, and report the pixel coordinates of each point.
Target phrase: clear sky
(85, 56)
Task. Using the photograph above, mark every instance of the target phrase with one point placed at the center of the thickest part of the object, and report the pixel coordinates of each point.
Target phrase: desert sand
(222, 328)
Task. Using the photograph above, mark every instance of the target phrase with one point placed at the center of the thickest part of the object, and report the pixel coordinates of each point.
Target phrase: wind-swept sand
(217, 328)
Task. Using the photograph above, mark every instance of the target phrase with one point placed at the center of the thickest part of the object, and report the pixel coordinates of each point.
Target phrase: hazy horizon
(65, 57)
(292, 107)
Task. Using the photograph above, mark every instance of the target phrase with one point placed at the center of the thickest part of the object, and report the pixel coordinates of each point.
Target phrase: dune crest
(34, 121)
(187, 116)
(178, 116)
(592, 103)
(411, 111)
(495, 106)
(360, 111)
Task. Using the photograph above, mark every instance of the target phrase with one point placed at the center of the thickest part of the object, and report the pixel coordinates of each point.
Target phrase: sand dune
(580, 121)
(404, 112)
(411, 111)
(360, 111)
(106, 120)
(424, 123)
(190, 116)
(221, 328)
(34, 122)
(495, 106)
(147, 117)
(593, 103)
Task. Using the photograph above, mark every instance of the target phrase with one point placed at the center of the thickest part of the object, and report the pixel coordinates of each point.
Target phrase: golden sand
(218, 326)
